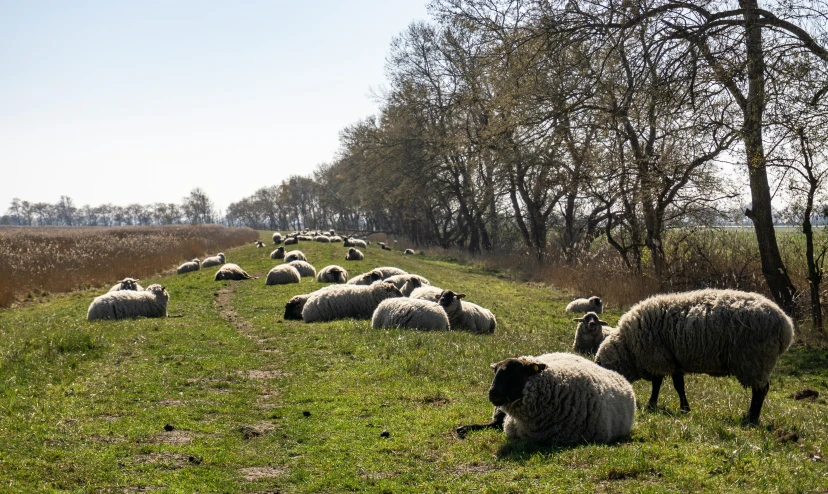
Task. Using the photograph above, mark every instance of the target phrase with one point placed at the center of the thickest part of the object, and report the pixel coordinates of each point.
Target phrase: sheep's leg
(653, 403)
(678, 383)
(756, 402)
(497, 423)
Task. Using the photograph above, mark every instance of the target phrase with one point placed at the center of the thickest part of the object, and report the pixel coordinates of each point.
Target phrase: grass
(259, 404)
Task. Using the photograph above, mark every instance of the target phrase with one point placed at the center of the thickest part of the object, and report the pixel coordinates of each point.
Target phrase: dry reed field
(62, 259)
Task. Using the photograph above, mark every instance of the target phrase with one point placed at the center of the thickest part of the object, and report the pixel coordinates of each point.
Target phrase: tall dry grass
(56, 259)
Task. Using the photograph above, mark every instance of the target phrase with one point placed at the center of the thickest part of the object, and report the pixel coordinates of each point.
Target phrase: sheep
(559, 399)
(715, 332)
(366, 278)
(277, 238)
(294, 306)
(127, 284)
(355, 242)
(279, 253)
(282, 275)
(399, 280)
(232, 272)
(295, 255)
(410, 313)
(304, 268)
(324, 239)
(216, 260)
(259, 244)
(591, 304)
(347, 301)
(292, 240)
(332, 274)
(466, 315)
(187, 267)
(385, 247)
(124, 304)
(305, 238)
(336, 238)
(414, 288)
(388, 271)
(590, 333)
(409, 252)
(332, 232)
(354, 255)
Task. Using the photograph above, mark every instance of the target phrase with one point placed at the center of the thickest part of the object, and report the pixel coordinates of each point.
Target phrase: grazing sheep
(559, 399)
(591, 304)
(388, 271)
(324, 239)
(216, 260)
(332, 274)
(259, 244)
(354, 255)
(466, 315)
(304, 268)
(279, 253)
(295, 255)
(590, 333)
(124, 304)
(292, 240)
(347, 301)
(715, 332)
(277, 238)
(399, 280)
(187, 267)
(409, 252)
(366, 278)
(127, 284)
(410, 313)
(232, 272)
(282, 275)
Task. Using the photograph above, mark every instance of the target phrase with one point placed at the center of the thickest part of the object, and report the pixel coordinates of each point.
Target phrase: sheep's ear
(603, 323)
(460, 295)
(579, 320)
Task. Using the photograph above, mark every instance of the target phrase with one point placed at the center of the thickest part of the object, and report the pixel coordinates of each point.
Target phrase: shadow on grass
(800, 360)
(520, 451)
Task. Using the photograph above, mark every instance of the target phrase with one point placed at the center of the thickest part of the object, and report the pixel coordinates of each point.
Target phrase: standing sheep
(232, 272)
(124, 304)
(410, 313)
(559, 399)
(304, 268)
(282, 275)
(715, 332)
(187, 267)
(354, 255)
(466, 315)
(590, 333)
(216, 260)
(279, 253)
(295, 255)
(366, 278)
(385, 247)
(332, 274)
(347, 301)
(127, 284)
(591, 304)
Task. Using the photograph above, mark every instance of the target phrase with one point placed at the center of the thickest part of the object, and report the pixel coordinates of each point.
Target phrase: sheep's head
(221, 256)
(591, 324)
(387, 290)
(337, 274)
(510, 378)
(294, 307)
(448, 297)
(197, 261)
(410, 285)
(595, 302)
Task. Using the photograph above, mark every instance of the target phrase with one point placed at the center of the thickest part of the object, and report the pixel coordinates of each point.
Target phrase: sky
(124, 102)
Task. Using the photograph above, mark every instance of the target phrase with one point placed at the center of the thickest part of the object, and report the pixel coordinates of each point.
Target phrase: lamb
(127, 284)
(559, 399)
(124, 304)
(347, 301)
(279, 253)
(232, 271)
(332, 274)
(187, 267)
(466, 315)
(354, 255)
(324, 239)
(409, 252)
(715, 332)
(304, 268)
(366, 278)
(388, 271)
(410, 313)
(399, 280)
(216, 260)
(282, 275)
(590, 333)
(259, 244)
(591, 304)
(277, 238)
(295, 255)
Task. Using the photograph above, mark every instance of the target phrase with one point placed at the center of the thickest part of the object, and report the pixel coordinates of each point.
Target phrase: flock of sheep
(554, 398)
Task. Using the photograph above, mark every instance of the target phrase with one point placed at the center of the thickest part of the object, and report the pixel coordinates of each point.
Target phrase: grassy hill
(229, 397)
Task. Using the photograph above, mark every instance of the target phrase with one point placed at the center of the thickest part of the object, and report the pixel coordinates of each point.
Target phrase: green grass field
(253, 403)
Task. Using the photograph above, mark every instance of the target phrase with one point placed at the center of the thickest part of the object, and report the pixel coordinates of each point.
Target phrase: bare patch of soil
(167, 459)
(252, 474)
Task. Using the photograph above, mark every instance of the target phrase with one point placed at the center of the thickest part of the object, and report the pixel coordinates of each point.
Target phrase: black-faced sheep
(216, 260)
(127, 284)
(282, 275)
(591, 304)
(126, 304)
(590, 333)
(188, 267)
(347, 301)
(354, 255)
(399, 280)
(410, 313)
(304, 268)
(295, 255)
(277, 238)
(279, 253)
(409, 252)
(332, 274)
(466, 315)
(232, 271)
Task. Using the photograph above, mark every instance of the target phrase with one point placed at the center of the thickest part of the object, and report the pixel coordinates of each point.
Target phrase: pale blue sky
(122, 102)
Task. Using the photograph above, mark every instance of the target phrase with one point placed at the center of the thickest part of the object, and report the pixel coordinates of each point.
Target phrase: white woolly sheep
(336, 238)
(232, 271)
(590, 333)
(292, 240)
(409, 252)
(295, 255)
(216, 260)
(399, 280)
(279, 253)
(127, 284)
(277, 238)
(282, 275)
(304, 268)
(591, 304)
(388, 271)
(294, 306)
(354, 255)
(715, 332)
(559, 399)
(305, 238)
(366, 278)
(124, 304)
(332, 274)
(414, 288)
(410, 313)
(347, 301)
(466, 315)
(324, 239)
(187, 267)
(355, 242)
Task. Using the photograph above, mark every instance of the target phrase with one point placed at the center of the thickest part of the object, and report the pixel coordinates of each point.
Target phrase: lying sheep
(354, 255)
(332, 274)
(216, 260)
(366, 278)
(388, 271)
(277, 238)
(559, 399)
(466, 315)
(591, 304)
(399, 280)
(282, 275)
(305, 269)
(409, 252)
(410, 313)
(232, 272)
(324, 239)
(295, 255)
(355, 242)
(385, 247)
(715, 332)
(347, 301)
(414, 288)
(127, 284)
(124, 304)
(292, 240)
(259, 244)
(294, 306)
(336, 238)
(187, 267)
(590, 333)
(279, 253)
